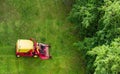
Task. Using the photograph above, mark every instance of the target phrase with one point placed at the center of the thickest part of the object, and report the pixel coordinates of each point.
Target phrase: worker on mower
(40, 49)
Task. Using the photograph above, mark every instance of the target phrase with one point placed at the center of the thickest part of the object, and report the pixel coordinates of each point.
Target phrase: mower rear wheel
(18, 56)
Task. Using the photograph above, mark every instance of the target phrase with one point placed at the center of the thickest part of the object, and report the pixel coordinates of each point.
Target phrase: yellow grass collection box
(24, 45)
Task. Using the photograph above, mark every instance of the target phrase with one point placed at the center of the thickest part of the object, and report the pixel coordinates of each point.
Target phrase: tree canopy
(98, 25)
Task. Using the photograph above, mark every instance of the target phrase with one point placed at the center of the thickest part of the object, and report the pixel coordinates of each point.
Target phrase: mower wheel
(35, 56)
(49, 46)
(18, 56)
(50, 57)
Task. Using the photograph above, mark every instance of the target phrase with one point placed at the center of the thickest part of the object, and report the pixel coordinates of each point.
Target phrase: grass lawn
(44, 20)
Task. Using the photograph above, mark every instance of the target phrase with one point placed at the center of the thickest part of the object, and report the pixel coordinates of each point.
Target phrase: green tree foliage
(109, 23)
(84, 15)
(108, 58)
(84, 45)
(97, 23)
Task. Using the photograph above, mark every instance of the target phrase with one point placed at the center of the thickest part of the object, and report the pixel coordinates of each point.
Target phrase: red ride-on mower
(32, 49)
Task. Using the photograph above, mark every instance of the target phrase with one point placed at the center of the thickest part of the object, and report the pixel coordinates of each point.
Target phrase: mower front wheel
(35, 56)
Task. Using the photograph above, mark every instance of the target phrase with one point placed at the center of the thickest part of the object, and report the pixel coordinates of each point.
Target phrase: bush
(107, 58)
